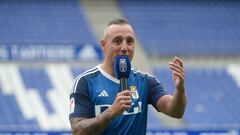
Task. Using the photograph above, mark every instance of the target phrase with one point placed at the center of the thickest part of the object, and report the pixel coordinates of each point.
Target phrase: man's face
(119, 40)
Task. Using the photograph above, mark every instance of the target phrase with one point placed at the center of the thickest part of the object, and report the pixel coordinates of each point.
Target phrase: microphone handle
(124, 83)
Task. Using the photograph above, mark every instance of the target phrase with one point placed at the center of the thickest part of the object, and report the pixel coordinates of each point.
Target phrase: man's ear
(102, 44)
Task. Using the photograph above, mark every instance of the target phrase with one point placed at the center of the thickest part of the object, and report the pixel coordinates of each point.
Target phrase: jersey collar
(108, 75)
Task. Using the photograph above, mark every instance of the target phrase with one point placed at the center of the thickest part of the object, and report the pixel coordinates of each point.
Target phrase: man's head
(118, 39)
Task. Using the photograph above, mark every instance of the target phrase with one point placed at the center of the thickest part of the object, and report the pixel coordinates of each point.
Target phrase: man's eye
(117, 41)
(129, 41)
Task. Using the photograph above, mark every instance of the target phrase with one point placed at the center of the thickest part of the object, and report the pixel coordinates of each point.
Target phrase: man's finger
(124, 93)
(177, 60)
(179, 75)
(178, 71)
(176, 66)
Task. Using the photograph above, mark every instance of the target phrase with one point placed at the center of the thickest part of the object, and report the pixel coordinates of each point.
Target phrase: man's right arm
(90, 126)
(93, 126)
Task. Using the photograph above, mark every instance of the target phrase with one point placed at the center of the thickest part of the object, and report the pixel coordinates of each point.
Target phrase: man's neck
(108, 69)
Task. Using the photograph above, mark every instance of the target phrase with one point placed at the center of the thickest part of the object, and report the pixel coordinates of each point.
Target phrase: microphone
(122, 68)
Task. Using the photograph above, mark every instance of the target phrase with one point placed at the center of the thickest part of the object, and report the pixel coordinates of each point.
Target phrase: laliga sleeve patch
(72, 105)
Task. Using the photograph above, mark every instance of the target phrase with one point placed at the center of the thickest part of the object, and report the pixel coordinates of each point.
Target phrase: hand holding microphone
(123, 100)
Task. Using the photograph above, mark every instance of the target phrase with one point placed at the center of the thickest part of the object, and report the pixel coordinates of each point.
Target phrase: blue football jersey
(95, 90)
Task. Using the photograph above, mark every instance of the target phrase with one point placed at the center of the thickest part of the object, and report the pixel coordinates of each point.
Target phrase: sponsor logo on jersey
(103, 94)
(134, 110)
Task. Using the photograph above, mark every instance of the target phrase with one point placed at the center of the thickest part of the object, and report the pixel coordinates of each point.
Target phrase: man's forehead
(120, 28)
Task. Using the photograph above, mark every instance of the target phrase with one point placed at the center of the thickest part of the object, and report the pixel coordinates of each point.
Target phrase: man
(98, 106)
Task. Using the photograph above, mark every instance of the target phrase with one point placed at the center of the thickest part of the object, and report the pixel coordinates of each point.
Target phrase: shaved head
(118, 21)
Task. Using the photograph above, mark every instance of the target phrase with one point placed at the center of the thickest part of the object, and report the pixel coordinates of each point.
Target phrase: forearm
(178, 103)
(92, 126)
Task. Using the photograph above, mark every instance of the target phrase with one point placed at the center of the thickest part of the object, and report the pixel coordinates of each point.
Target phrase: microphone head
(122, 67)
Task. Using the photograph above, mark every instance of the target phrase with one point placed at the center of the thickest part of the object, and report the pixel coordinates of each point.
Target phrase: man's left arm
(174, 106)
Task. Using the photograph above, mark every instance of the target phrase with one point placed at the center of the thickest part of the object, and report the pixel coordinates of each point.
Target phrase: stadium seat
(167, 28)
(212, 97)
(27, 24)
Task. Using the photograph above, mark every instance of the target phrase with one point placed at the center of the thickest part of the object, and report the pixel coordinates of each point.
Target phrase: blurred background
(45, 44)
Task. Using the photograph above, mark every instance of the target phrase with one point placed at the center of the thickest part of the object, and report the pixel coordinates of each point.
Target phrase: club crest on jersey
(134, 92)
(123, 65)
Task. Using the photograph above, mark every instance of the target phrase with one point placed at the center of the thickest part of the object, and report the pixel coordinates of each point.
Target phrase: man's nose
(124, 47)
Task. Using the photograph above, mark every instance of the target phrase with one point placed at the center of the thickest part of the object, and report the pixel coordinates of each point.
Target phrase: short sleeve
(80, 103)
(156, 90)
